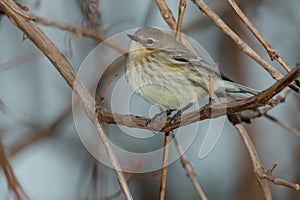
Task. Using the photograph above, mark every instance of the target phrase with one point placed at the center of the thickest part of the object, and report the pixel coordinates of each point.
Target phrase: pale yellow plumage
(165, 72)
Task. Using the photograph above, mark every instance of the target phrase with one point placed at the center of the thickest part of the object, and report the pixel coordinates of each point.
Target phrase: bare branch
(181, 9)
(188, 168)
(240, 43)
(163, 178)
(283, 125)
(256, 163)
(170, 20)
(271, 51)
(77, 30)
(279, 181)
(166, 13)
(12, 181)
(63, 66)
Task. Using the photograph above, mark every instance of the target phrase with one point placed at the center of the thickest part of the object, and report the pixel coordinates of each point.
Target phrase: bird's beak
(133, 37)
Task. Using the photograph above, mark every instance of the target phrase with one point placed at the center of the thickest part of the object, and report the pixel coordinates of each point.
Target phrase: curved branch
(206, 112)
(32, 31)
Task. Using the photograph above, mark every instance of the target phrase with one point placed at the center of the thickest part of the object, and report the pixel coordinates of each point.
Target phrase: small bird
(164, 72)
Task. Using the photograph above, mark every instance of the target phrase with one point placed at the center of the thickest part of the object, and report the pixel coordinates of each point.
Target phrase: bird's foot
(159, 116)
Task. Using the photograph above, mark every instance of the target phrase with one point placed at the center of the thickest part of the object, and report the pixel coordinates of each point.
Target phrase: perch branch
(206, 112)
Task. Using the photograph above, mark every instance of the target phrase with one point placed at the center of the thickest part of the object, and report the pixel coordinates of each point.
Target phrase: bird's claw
(159, 116)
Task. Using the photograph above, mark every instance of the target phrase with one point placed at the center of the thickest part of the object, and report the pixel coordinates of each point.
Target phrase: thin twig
(271, 51)
(12, 181)
(188, 168)
(106, 90)
(240, 43)
(119, 192)
(163, 179)
(264, 112)
(204, 22)
(283, 125)
(181, 9)
(170, 20)
(77, 30)
(268, 176)
(166, 13)
(16, 61)
(256, 163)
(30, 28)
(279, 181)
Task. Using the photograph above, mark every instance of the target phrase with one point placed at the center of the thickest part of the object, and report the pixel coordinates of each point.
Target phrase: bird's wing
(186, 57)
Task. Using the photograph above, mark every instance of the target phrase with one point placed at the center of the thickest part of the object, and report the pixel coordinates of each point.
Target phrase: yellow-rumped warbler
(164, 72)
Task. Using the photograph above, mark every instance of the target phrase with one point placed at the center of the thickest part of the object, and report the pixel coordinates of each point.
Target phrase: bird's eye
(150, 42)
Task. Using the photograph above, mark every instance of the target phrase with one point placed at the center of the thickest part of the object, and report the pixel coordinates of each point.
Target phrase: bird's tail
(235, 88)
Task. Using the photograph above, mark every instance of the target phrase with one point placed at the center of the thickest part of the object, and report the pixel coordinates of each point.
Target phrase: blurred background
(36, 123)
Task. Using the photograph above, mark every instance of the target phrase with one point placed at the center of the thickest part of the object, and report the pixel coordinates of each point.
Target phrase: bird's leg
(179, 112)
(159, 115)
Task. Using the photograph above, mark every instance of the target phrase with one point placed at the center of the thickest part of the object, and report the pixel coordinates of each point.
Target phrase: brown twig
(119, 192)
(279, 181)
(82, 31)
(30, 28)
(256, 163)
(18, 60)
(188, 168)
(170, 20)
(203, 22)
(268, 176)
(271, 51)
(163, 179)
(283, 125)
(107, 88)
(166, 13)
(264, 112)
(12, 181)
(20, 12)
(208, 111)
(240, 43)
(181, 9)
